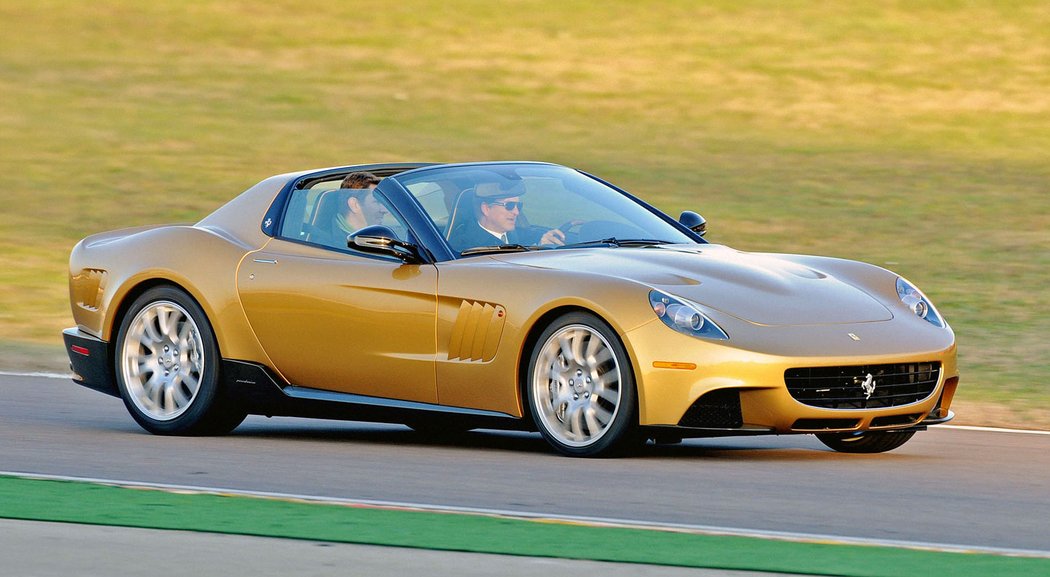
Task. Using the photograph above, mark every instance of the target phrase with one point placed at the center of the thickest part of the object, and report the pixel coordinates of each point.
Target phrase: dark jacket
(470, 234)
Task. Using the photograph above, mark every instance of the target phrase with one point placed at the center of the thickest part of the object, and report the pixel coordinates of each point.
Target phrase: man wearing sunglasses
(497, 208)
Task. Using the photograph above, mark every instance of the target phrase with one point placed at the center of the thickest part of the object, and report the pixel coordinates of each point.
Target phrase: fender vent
(476, 334)
(87, 288)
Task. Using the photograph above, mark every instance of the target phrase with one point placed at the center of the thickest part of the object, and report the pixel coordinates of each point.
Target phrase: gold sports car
(514, 295)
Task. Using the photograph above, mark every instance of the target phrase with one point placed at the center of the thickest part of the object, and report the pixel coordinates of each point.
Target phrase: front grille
(863, 386)
(718, 409)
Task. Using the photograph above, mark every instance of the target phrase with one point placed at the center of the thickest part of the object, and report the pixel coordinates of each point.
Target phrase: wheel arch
(136, 287)
(533, 335)
(204, 407)
(129, 296)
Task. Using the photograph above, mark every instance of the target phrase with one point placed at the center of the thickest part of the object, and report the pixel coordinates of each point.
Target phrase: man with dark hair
(360, 179)
(356, 207)
(361, 206)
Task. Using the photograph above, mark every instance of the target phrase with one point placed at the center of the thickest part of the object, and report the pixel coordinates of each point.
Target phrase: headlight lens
(684, 317)
(918, 303)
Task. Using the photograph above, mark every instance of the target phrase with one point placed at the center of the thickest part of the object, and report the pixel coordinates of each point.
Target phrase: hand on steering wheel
(553, 236)
(557, 236)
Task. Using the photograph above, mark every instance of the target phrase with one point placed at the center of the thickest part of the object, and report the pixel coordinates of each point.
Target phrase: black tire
(586, 405)
(167, 365)
(865, 442)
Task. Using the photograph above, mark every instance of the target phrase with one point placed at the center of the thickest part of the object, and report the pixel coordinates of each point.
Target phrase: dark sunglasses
(510, 205)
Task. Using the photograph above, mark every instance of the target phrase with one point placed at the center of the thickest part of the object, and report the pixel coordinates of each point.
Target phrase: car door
(342, 321)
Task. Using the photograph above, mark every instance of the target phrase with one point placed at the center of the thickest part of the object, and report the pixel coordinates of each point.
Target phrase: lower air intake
(715, 410)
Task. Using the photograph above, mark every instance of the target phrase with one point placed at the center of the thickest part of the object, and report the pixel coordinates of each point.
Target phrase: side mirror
(694, 222)
(379, 239)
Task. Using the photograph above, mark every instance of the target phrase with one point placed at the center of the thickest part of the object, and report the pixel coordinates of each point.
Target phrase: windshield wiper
(496, 248)
(613, 241)
(640, 241)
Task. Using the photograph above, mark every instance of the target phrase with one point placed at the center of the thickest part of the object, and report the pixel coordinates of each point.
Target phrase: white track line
(593, 521)
(958, 427)
(991, 429)
(67, 376)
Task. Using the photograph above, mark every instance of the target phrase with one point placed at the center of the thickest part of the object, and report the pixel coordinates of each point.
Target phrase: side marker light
(673, 365)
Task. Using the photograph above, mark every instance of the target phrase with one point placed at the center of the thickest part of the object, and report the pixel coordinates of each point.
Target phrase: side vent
(476, 334)
(87, 287)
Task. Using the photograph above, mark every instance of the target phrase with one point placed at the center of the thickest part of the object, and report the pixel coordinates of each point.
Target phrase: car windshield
(517, 207)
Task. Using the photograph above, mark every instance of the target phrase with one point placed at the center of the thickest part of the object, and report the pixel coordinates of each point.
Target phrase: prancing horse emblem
(867, 385)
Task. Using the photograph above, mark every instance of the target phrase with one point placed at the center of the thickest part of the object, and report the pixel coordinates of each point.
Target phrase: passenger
(357, 207)
(362, 207)
(496, 210)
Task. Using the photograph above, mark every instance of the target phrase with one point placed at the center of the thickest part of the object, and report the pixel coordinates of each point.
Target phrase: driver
(497, 207)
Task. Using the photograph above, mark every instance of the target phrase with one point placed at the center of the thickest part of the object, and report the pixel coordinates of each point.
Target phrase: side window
(299, 212)
(390, 219)
(325, 216)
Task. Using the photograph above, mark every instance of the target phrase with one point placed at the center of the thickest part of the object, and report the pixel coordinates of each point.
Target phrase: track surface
(62, 550)
(971, 488)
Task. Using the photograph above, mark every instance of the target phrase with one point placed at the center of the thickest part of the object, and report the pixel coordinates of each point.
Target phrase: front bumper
(89, 359)
(704, 388)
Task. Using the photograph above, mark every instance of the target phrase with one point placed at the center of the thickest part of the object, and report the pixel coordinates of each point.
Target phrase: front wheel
(167, 367)
(580, 387)
(865, 442)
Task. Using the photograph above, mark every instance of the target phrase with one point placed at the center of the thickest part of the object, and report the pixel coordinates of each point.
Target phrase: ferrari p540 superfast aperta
(513, 295)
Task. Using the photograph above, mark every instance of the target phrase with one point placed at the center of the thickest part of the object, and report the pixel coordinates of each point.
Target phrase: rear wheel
(167, 367)
(865, 442)
(580, 387)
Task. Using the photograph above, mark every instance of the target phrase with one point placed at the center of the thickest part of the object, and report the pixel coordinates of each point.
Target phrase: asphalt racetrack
(947, 486)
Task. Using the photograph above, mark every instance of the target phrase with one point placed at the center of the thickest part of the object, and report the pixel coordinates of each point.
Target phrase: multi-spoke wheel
(581, 388)
(167, 367)
(865, 442)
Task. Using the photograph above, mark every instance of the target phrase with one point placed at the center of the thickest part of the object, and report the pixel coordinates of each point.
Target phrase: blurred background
(913, 135)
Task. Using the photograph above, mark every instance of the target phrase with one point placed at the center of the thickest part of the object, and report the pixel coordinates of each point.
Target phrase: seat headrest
(462, 210)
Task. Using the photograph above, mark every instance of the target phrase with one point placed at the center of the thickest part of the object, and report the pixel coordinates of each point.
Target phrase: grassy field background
(914, 135)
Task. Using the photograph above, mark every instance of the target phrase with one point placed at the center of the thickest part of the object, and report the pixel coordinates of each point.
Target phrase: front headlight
(918, 303)
(684, 317)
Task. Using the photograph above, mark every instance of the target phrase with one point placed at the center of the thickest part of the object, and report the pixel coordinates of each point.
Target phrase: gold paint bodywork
(457, 333)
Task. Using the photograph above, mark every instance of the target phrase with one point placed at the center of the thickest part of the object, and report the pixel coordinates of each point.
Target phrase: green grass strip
(89, 503)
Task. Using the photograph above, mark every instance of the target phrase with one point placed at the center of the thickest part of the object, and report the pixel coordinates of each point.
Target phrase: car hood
(759, 288)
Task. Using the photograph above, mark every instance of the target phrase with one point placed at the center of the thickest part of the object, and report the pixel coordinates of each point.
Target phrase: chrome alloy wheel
(576, 385)
(162, 360)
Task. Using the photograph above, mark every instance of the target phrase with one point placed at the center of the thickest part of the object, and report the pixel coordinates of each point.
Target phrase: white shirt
(502, 237)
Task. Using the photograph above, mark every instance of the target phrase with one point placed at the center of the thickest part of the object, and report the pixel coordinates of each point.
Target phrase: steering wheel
(571, 230)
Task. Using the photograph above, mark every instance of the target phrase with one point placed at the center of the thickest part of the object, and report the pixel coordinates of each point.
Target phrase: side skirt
(254, 386)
